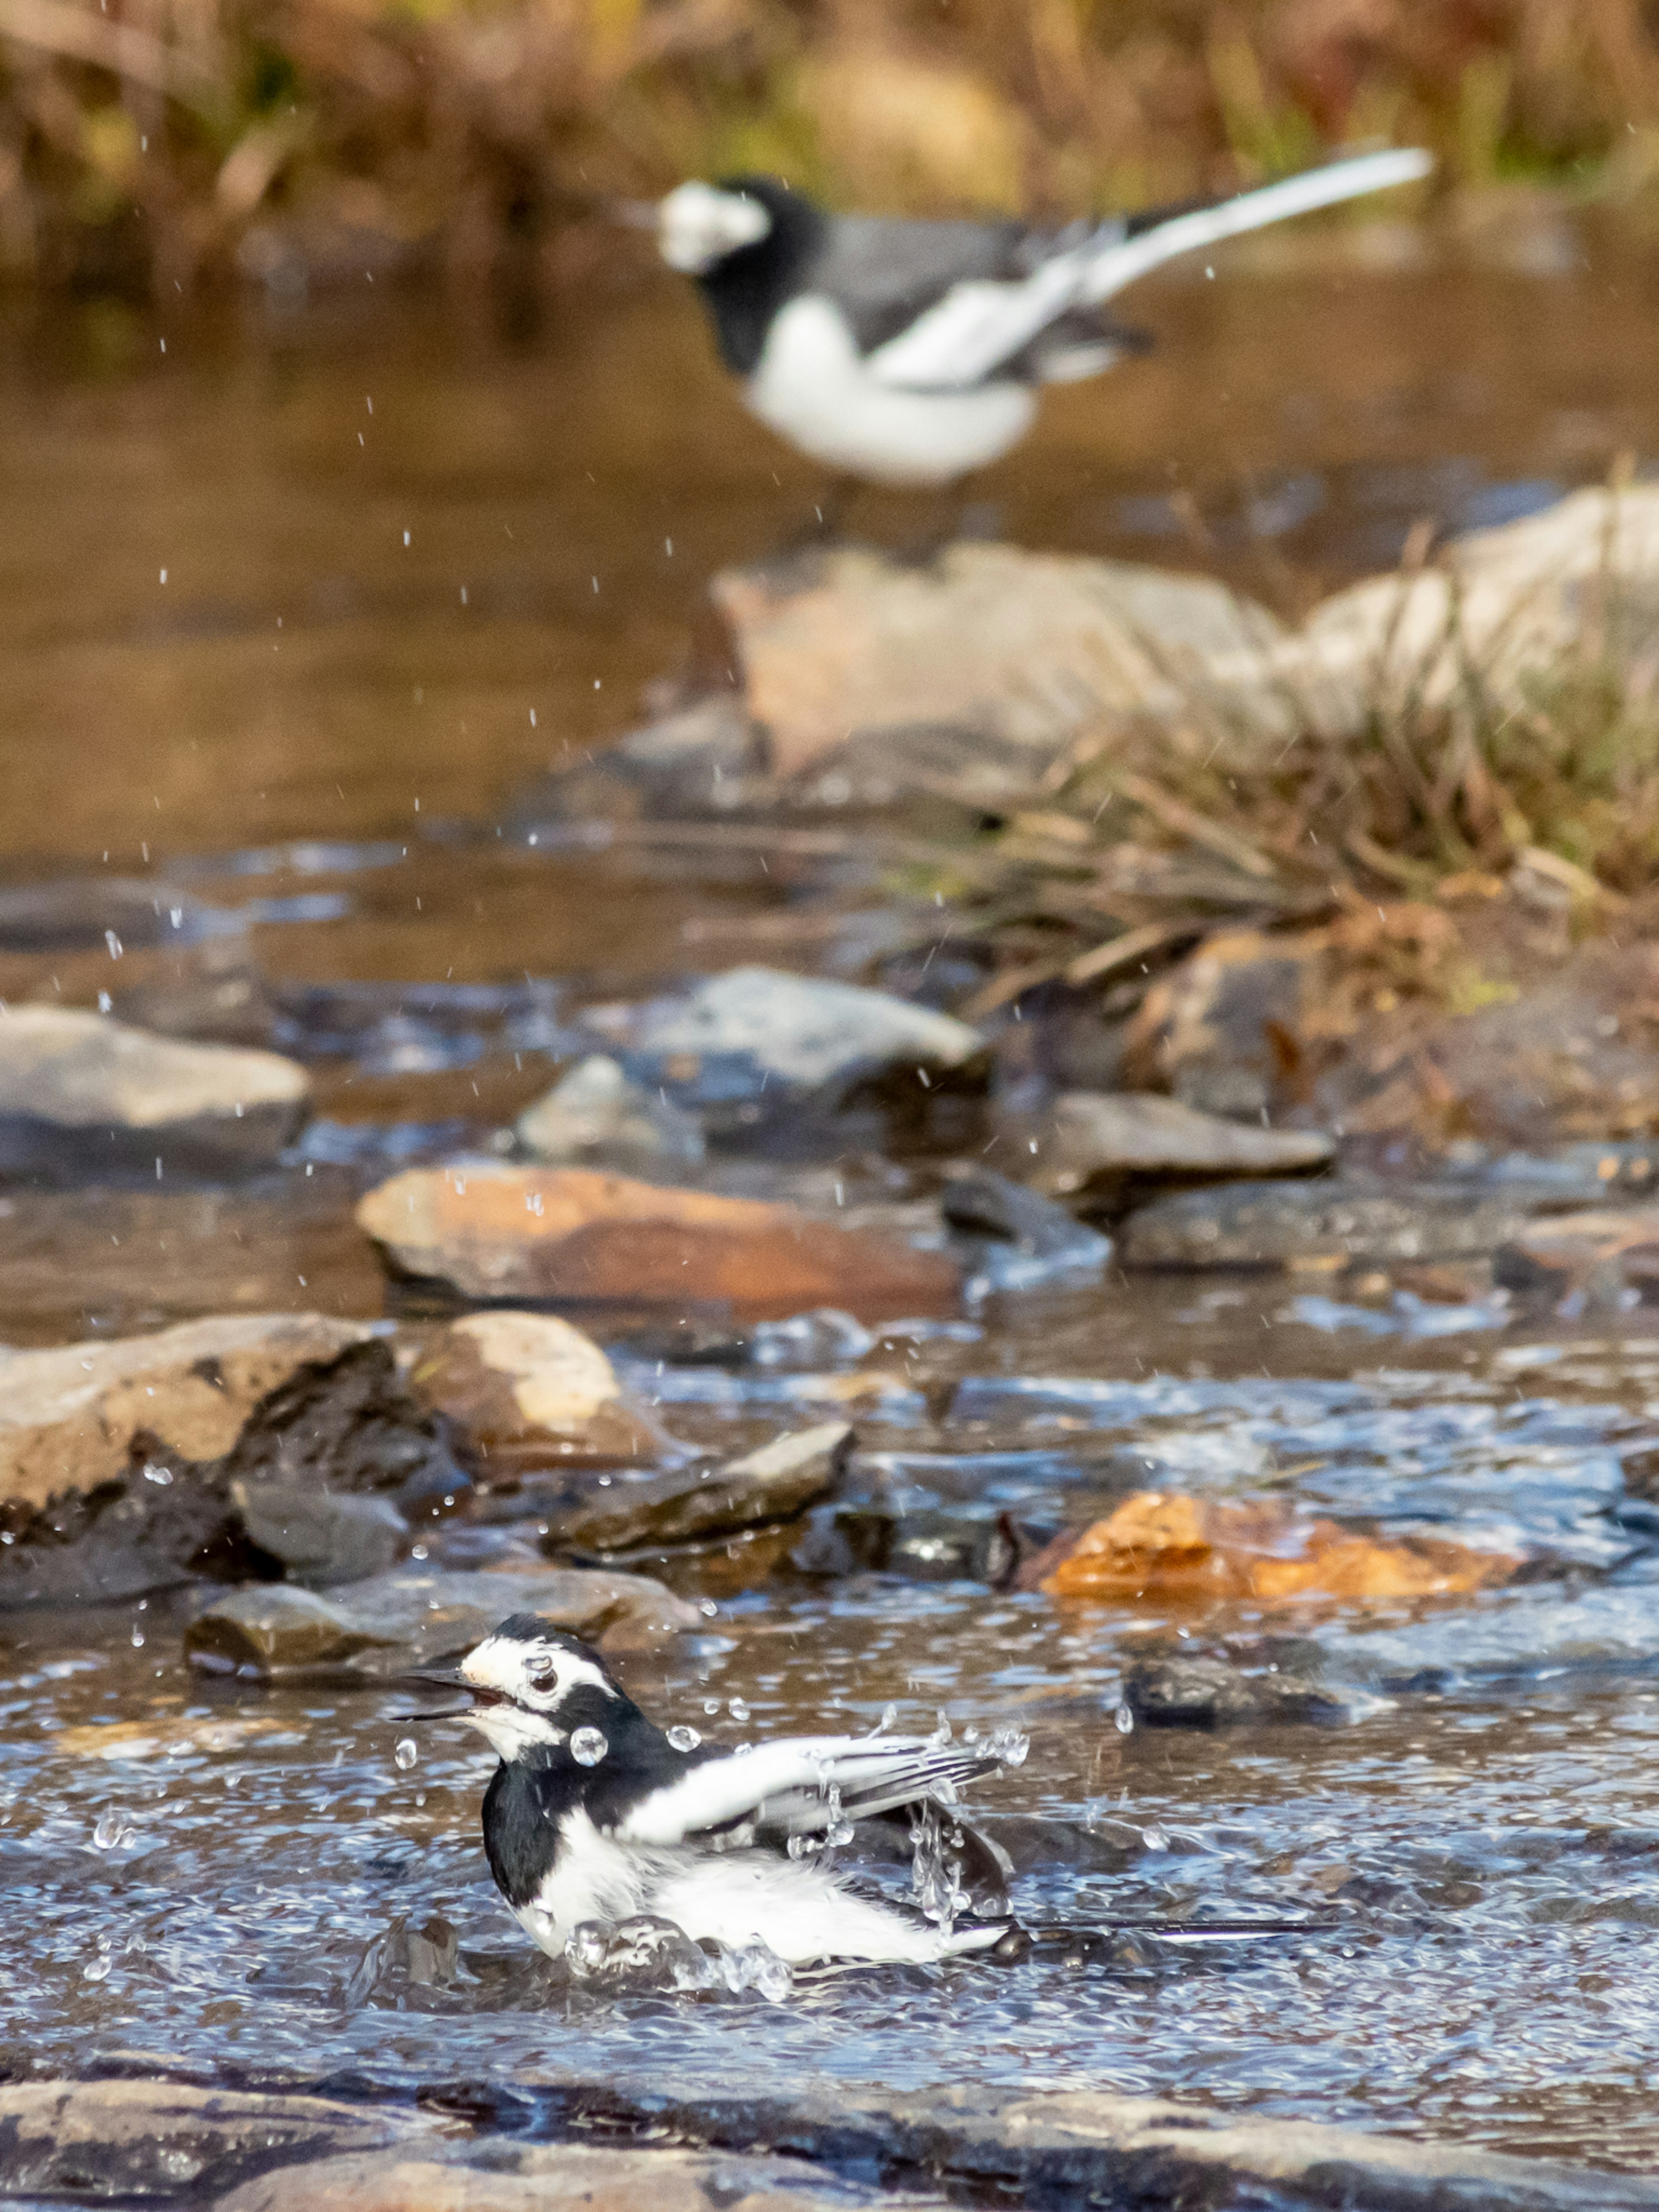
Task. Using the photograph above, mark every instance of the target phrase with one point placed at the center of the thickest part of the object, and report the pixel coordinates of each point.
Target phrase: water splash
(588, 1745)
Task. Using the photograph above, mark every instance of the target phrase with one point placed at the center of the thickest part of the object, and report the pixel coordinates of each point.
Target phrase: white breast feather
(812, 387)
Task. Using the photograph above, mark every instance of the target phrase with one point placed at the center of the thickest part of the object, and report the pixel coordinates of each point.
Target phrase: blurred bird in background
(909, 353)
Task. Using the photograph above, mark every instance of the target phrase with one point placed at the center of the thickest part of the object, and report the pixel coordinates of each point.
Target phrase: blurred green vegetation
(148, 142)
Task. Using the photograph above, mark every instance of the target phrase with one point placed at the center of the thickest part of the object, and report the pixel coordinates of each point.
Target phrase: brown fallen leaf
(1165, 1547)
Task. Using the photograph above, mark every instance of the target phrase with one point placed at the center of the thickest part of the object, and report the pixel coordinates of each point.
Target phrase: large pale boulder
(82, 1093)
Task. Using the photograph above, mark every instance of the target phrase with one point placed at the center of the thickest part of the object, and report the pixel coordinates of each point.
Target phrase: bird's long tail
(1123, 260)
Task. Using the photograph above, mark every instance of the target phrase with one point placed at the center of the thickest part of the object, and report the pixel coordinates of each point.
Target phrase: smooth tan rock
(773, 1484)
(79, 1087)
(68, 1416)
(528, 1391)
(574, 1238)
(1026, 648)
(1098, 1139)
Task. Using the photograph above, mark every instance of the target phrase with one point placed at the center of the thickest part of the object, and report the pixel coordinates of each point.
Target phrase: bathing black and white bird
(596, 1815)
(910, 353)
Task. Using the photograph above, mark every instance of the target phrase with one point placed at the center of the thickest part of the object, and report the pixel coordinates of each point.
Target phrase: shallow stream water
(279, 651)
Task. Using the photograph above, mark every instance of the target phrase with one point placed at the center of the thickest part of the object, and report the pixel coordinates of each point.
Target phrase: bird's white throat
(698, 225)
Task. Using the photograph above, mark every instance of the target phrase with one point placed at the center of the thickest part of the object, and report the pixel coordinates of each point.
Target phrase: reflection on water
(293, 658)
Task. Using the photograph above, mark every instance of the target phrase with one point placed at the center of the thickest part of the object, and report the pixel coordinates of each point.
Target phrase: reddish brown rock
(528, 1391)
(1177, 1550)
(574, 1238)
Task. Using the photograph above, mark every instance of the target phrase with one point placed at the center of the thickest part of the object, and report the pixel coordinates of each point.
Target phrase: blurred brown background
(146, 143)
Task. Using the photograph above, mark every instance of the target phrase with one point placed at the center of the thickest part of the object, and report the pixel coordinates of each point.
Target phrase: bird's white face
(698, 225)
(521, 1685)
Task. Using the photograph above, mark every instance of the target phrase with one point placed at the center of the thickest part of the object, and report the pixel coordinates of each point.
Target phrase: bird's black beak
(452, 1680)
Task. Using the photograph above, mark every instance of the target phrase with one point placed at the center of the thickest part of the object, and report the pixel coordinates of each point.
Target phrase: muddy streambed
(255, 1882)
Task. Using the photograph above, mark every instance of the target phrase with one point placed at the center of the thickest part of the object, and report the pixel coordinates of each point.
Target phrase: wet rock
(1221, 1031)
(701, 761)
(1168, 1548)
(1574, 1056)
(1587, 1262)
(595, 1113)
(341, 1422)
(511, 2177)
(70, 1416)
(417, 1615)
(569, 1237)
(773, 1484)
(127, 2141)
(276, 1630)
(922, 1544)
(80, 1094)
(1106, 1149)
(1326, 1222)
(1206, 1692)
(1188, 1693)
(348, 1423)
(527, 1391)
(814, 1039)
(1023, 649)
(1015, 1238)
(319, 1537)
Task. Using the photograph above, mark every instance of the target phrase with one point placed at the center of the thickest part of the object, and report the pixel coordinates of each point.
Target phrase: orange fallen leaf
(1163, 1546)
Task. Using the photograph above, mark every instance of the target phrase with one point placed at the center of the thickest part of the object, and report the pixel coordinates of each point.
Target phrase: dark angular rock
(773, 1484)
(1017, 1239)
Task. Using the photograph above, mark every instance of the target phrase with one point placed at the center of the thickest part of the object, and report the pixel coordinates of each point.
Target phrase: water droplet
(588, 1745)
(107, 1832)
(684, 1739)
(711, 1705)
(888, 1717)
(95, 1970)
(406, 1754)
(1125, 1721)
(138, 1639)
(1154, 1838)
(739, 1710)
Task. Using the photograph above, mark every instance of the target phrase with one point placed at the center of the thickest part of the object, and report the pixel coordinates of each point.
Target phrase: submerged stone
(773, 1484)
(579, 1240)
(82, 1094)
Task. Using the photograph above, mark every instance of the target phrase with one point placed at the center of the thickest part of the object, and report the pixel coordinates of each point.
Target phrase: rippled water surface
(209, 1873)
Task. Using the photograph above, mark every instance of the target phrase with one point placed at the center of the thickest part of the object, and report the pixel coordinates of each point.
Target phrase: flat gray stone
(82, 1093)
(415, 1615)
(806, 1032)
(1282, 1224)
(321, 1537)
(773, 1484)
(1099, 1140)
